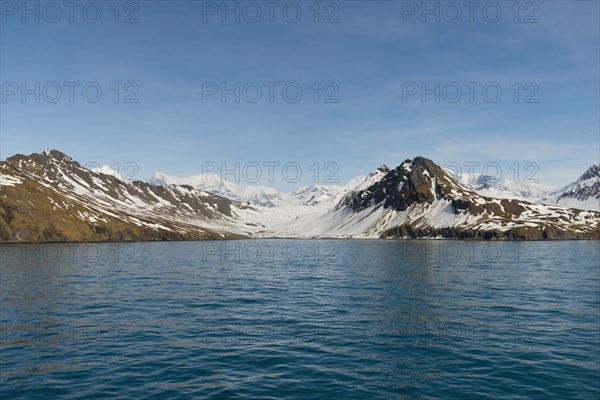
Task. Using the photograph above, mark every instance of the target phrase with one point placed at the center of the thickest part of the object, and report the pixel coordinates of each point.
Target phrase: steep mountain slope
(584, 193)
(49, 196)
(420, 199)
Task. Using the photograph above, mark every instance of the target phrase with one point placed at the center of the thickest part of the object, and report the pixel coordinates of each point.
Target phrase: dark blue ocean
(339, 319)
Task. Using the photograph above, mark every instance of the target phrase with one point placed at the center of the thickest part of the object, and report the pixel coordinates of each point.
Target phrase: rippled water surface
(301, 319)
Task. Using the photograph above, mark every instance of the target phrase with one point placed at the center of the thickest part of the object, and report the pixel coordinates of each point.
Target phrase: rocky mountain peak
(592, 172)
(56, 154)
(49, 164)
(382, 168)
(584, 193)
(45, 158)
(414, 181)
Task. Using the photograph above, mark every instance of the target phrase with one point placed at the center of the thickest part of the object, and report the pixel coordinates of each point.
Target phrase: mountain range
(582, 193)
(49, 196)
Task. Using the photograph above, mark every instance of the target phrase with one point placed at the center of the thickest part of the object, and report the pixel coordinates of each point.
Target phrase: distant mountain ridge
(259, 195)
(48, 196)
(502, 187)
(265, 196)
(584, 193)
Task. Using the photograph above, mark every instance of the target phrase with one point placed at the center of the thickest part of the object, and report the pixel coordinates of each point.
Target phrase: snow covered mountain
(584, 193)
(259, 195)
(51, 197)
(502, 188)
(264, 196)
(419, 199)
(106, 170)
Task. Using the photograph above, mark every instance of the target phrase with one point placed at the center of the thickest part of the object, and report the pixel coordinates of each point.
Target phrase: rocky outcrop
(420, 199)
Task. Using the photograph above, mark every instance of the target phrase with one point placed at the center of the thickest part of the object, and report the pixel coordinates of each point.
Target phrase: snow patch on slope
(106, 170)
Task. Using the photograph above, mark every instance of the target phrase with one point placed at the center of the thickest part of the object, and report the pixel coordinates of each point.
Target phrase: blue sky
(374, 54)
